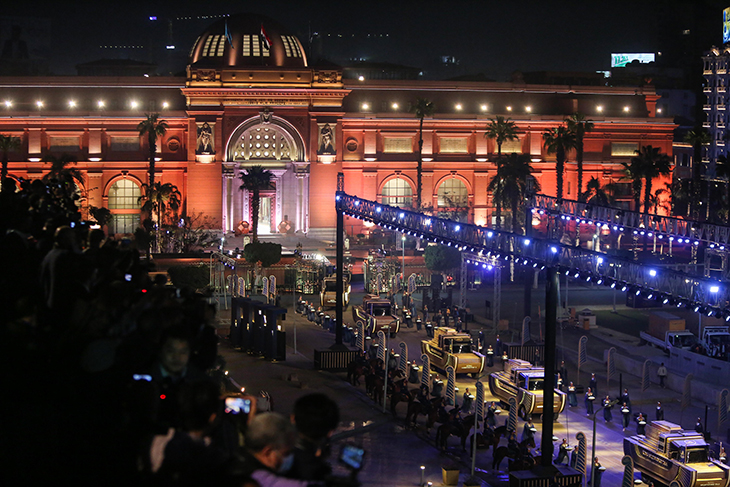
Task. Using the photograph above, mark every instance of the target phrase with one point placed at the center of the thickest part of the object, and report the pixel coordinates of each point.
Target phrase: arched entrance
(274, 144)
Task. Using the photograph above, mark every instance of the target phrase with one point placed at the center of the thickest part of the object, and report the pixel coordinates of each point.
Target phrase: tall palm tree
(652, 164)
(597, 195)
(254, 179)
(559, 141)
(633, 172)
(699, 138)
(510, 184)
(153, 128)
(161, 198)
(422, 108)
(578, 124)
(8, 143)
(500, 130)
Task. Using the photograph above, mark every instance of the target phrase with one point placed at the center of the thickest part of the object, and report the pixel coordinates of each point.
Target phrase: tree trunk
(515, 224)
(647, 195)
(579, 162)
(255, 205)
(560, 169)
(153, 147)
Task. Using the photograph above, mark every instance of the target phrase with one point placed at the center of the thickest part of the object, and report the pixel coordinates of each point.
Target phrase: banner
(645, 379)
(360, 340)
(687, 391)
(722, 408)
(411, 284)
(265, 284)
(382, 346)
(241, 287)
(450, 386)
(628, 463)
(512, 419)
(525, 330)
(426, 372)
(479, 411)
(581, 453)
(582, 352)
(403, 360)
(272, 286)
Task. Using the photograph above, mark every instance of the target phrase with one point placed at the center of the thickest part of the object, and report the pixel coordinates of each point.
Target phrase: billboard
(620, 60)
(726, 25)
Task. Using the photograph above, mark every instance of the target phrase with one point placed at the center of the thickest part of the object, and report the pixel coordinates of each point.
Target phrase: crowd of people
(113, 378)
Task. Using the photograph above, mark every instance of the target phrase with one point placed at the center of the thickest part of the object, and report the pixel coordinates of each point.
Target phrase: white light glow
(365, 106)
(509, 108)
(483, 108)
(528, 109)
(361, 78)
(72, 103)
(458, 106)
(165, 104)
(599, 108)
(100, 103)
(8, 103)
(39, 104)
(133, 104)
(626, 109)
(394, 106)
(652, 272)
(714, 289)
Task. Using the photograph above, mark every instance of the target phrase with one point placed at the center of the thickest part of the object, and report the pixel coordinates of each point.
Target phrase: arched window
(453, 194)
(397, 192)
(124, 205)
(264, 142)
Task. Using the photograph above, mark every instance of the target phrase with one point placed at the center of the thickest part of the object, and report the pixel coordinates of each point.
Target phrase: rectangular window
(256, 45)
(246, 45)
(287, 49)
(624, 149)
(453, 145)
(67, 144)
(397, 145)
(511, 146)
(124, 223)
(125, 144)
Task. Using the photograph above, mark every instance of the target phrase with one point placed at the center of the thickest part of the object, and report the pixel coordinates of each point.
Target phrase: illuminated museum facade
(252, 100)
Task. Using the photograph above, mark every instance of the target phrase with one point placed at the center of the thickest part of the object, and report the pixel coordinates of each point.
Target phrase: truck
(716, 340)
(376, 313)
(328, 294)
(523, 381)
(669, 455)
(449, 347)
(672, 339)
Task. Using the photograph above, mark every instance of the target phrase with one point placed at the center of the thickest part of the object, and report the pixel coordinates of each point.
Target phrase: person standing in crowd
(699, 428)
(315, 417)
(505, 358)
(662, 373)
(625, 416)
(589, 398)
(528, 431)
(562, 452)
(572, 398)
(640, 424)
(467, 401)
(490, 356)
(425, 312)
(593, 384)
(659, 412)
(491, 415)
(625, 399)
(597, 472)
(607, 415)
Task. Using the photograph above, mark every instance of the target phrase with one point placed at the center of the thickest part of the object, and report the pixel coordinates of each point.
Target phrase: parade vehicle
(376, 313)
(328, 294)
(669, 455)
(449, 347)
(523, 381)
(683, 339)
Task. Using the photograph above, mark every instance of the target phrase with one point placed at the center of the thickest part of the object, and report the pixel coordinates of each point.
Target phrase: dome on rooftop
(250, 49)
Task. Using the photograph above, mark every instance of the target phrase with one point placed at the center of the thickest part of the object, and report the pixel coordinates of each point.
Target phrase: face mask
(286, 463)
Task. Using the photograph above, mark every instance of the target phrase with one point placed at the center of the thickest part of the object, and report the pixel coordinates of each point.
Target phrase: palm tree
(254, 179)
(153, 128)
(597, 195)
(633, 173)
(61, 172)
(422, 108)
(510, 184)
(578, 124)
(652, 164)
(500, 130)
(698, 138)
(8, 143)
(160, 198)
(559, 141)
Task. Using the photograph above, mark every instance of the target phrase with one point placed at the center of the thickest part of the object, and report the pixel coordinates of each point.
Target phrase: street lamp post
(593, 440)
(403, 260)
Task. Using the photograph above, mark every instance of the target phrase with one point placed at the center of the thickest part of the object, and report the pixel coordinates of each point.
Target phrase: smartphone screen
(352, 456)
(238, 405)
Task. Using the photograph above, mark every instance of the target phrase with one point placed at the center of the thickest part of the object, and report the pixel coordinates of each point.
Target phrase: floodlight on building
(509, 108)
(133, 104)
(626, 109)
(8, 103)
(100, 103)
(458, 106)
(365, 106)
(659, 110)
(361, 78)
(714, 289)
(39, 104)
(394, 106)
(72, 103)
(528, 109)
(165, 104)
(483, 108)
(599, 108)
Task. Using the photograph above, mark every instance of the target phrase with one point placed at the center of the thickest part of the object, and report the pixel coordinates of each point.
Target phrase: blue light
(490, 234)
(714, 289)
(652, 272)
(337, 198)
(457, 228)
(153, 17)
(600, 260)
(401, 215)
(526, 241)
(357, 203)
(378, 209)
(427, 221)
(554, 250)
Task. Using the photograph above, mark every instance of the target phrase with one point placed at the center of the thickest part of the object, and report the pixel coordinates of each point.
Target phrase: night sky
(490, 37)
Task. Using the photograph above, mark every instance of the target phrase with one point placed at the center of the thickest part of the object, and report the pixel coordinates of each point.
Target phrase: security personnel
(659, 412)
(699, 428)
(490, 356)
(593, 384)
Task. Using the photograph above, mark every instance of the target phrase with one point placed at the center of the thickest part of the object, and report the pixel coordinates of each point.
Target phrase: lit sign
(622, 59)
(726, 25)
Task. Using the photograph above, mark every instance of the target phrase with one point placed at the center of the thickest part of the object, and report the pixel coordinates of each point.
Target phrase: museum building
(250, 97)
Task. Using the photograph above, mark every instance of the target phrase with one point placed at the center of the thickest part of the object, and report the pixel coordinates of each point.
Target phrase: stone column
(229, 222)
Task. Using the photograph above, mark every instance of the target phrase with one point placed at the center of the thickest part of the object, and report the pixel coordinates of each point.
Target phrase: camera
(352, 456)
(238, 405)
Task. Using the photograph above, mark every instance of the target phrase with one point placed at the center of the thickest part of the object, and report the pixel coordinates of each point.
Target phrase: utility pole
(548, 385)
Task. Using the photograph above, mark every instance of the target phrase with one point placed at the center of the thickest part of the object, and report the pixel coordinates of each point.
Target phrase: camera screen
(237, 405)
(352, 456)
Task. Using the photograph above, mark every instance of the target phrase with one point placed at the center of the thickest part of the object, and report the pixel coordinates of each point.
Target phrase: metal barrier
(531, 353)
(568, 477)
(334, 359)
